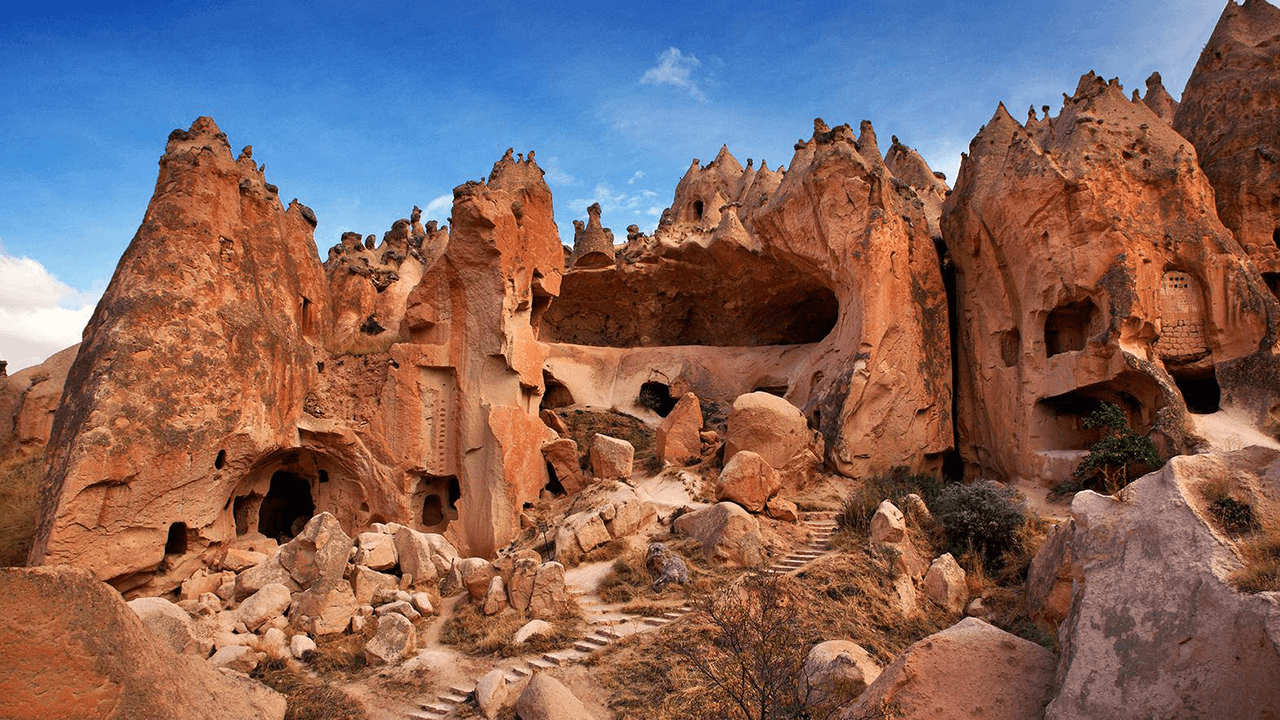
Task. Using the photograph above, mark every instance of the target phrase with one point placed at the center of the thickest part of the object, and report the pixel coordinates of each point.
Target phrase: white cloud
(638, 174)
(611, 201)
(439, 208)
(39, 314)
(676, 69)
(556, 174)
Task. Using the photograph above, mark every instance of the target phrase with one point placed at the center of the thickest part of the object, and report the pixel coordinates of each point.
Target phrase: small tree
(1119, 450)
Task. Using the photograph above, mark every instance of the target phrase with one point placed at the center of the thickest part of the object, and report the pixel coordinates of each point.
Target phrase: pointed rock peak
(593, 215)
(749, 163)
(695, 164)
(246, 153)
(1002, 116)
(1251, 23)
(1154, 81)
(1090, 85)
(1031, 115)
(820, 127)
(204, 125)
(726, 161)
(508, 174)
(764, 165)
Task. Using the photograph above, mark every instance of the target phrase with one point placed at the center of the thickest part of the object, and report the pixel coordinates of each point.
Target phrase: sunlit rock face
(1091, 266)
(230, 386)
(1230, 112)
(820, 283)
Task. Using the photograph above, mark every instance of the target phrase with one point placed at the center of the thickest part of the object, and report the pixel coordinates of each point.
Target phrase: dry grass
(628, 580)
(19, 485)
(341, 654)
(586, 424)
(474, 633)
(308, 698)
(1261, 554)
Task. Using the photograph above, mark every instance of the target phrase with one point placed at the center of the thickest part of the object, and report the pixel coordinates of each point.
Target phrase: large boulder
(171, 624)
(969, 670)
(545, 698)
(395, 640)
(492, 692)
(376, 550)
(727, 532)
(679, 437)
(748, 480)
(888, 524)
(768, 426)
(611, 458)
(835, 672)
(1156, 629)
(562, 456)
(269, 602)
(319, 553)
(74, 649)
(550, 597)
(324, 611)
(580, 533)
(420, 557)
(945, 584)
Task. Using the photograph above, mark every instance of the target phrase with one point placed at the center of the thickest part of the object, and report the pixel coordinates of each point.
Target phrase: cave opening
(1273, 283)
(1058, 422)
(1275, 236)
(657, 397)
(244, 510)
(287, 506)
(555, 395)
(1199, 388)
(176, 542)
(440, 495)
(553, 482)
(221, 460)
(697, 209)
(1068, 326)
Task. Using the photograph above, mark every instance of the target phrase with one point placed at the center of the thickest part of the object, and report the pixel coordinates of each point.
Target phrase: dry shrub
(19, 490)
(586, 424)
(860, 504)
(343, 654)
(474, 633)
(629, 580)
(308, 698)
(607, 551)
(1261, 571)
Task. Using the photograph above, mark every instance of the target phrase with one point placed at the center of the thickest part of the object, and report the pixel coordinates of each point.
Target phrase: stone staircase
(608, 623)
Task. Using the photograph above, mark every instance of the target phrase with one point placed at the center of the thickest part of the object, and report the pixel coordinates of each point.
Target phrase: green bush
(984, 517)
(1120, 451)
(858, 506)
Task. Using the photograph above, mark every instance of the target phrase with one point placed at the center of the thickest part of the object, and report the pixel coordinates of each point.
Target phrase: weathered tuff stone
(549, 597)
(611, 458)
(171, 624)
(679, 439)
(1155, 629)
(767, 425)
(887, 524)
(377, 551)
(395, 640)
(1124, 282)
(492, 692)
(945, 584)
(85, 654)
(419, 558)
(835, 672)
(263, 605)
(241, 658)
(580, 533)
(495, 598)
(747, 480)
(784, 510)
(531, 628)
(371, 585)
(545, 698)
(969, 670)
(562, 455)
(727, 532)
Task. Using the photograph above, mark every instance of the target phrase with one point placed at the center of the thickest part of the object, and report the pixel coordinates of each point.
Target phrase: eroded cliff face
(1230, 112)
(230, 386)
(820, 284)
(1109, 278)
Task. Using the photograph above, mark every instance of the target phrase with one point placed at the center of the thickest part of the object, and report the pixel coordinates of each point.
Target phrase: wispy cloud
(678, 70)
(555, 173)
(638, 174)
(439, 208)
(39, 314)
(614, 201)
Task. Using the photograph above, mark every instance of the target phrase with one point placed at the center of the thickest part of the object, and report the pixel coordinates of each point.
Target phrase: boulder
(550, 597)
(495, 598)
(492, 693)
(324, 612)
(1156, 627)
(395, 641)
(553, 421)
(784, 510)
(318, 554)
(969, 670)
(887, 524)
(611, 458)
(562, 456)
(474, 574)
(679, 440)
(545, 698)
(422, 601)
(747, 480)
(370, 585)
(520, 589)
(836, 672)
(171, 624)
(945, 585)
(377, 551)
(400, 607)
(580, 533)
(300, 645)
(727, 532)
(237, 559)
(267, 603)
(240, 658)
(275, 644)
(767, 425)
(531, 628)
(417, 554)
(267, 572)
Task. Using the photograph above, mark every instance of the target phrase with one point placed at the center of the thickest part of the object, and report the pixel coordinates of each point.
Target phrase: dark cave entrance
(1200, 390)
(440, 495)
(244, 509)
(1068, 326)
(176, 542)
(287, 507)
(554, 485)
(657, 397)
(556, 394)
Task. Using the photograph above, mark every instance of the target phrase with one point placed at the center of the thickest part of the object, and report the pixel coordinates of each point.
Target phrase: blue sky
(362, 110)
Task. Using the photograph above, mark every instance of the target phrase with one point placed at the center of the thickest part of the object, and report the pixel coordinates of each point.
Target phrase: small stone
(888, 525)
(531, 628)
(300, 645)
(240, 658)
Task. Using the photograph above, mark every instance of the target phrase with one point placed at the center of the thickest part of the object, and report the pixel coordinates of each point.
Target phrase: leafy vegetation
(1120, 451)
(858, 507)
(983, 517)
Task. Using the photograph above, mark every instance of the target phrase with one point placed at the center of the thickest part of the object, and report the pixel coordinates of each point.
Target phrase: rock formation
(1230, 112)
(229, 386)
(1109, 279)
(72, 648)
(836, 253)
